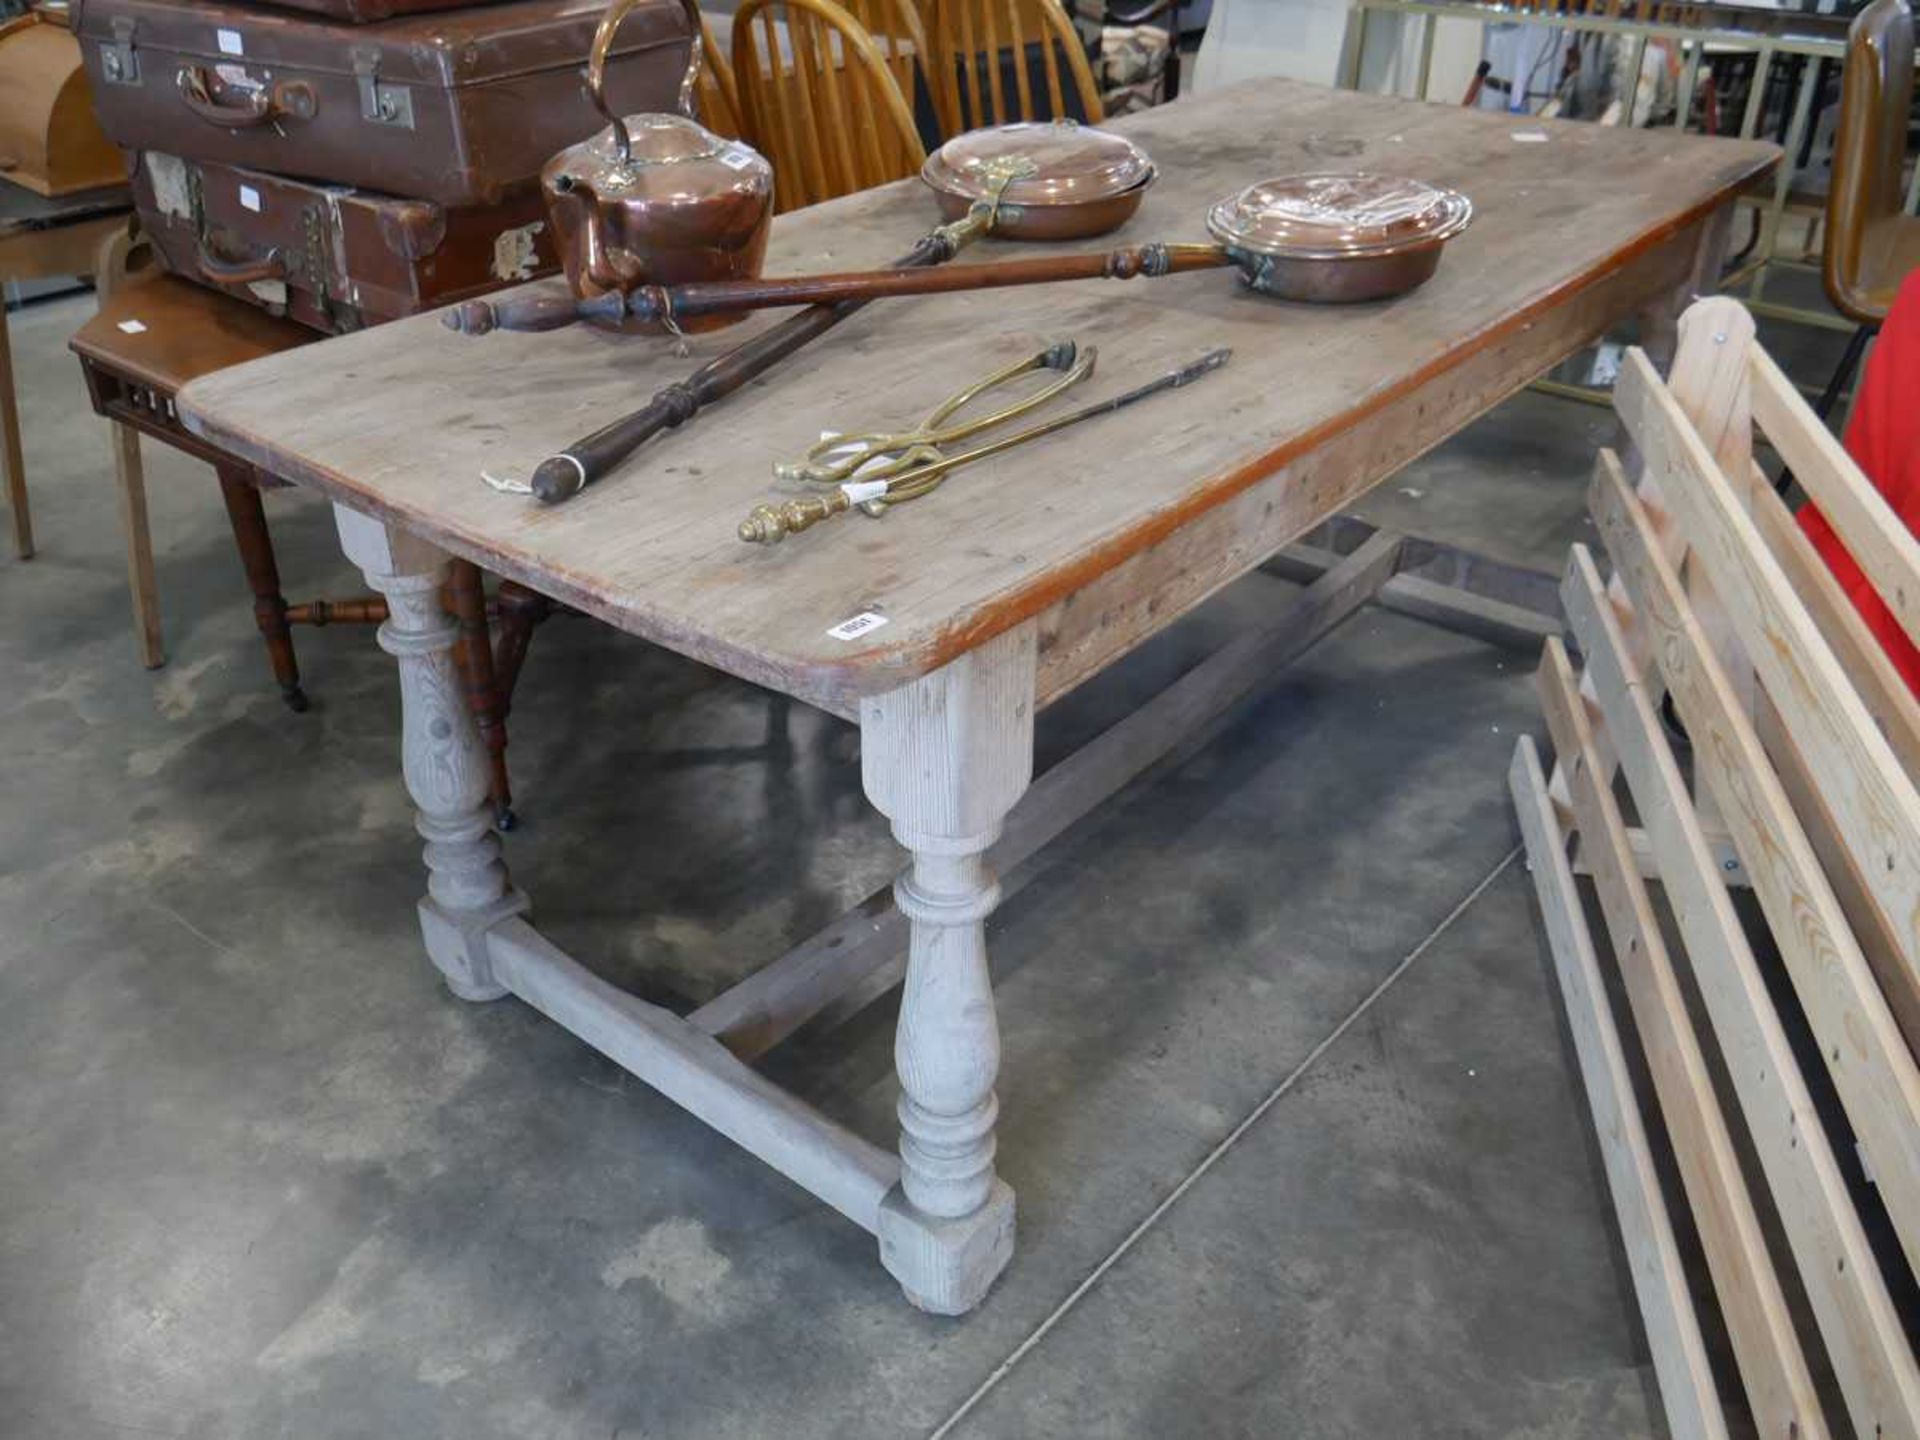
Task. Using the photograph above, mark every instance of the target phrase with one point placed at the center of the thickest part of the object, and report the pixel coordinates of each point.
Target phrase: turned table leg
(249, 520)
(442, 758)
(467, 593)
(944, 758)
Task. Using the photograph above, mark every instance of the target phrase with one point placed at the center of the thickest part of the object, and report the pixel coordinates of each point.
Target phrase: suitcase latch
(381, 104)
(118, 63)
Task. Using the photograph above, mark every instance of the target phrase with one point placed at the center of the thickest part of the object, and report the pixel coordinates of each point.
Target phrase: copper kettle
(656, 199)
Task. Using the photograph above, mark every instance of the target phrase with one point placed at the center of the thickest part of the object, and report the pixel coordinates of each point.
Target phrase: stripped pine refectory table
(944, 627)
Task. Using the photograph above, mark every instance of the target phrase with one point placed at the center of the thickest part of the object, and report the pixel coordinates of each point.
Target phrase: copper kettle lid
(1069, 163)
(1335, 216)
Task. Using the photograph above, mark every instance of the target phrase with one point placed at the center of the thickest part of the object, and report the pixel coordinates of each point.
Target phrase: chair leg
(11, 460)
(130, 479)
(249, 520)
(1843, 372)
(473, 656)
(1836, 385)
(521, 611)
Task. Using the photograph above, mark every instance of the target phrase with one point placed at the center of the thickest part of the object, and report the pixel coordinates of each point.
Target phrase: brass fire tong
(877, 470)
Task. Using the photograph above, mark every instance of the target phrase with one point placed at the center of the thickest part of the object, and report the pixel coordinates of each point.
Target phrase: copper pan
(1084, 181)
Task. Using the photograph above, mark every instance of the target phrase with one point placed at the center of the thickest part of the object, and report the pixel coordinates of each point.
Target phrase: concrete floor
(261, 1176)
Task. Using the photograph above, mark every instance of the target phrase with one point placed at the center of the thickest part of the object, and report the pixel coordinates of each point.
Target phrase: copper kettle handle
(597, 67)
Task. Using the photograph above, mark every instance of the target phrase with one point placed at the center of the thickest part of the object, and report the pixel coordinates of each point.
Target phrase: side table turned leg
(12, 461)
(445, 765)
(110, 264)
(249, 520)
(945, 758)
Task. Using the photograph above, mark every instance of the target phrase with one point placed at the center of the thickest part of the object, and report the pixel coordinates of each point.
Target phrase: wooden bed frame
(1805, 744)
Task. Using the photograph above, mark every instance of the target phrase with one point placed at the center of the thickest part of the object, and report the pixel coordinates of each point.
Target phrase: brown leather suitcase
(330, 257)
(458, 108)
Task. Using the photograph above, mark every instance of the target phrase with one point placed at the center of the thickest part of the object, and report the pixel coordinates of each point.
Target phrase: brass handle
(597, 67)
(294, 100)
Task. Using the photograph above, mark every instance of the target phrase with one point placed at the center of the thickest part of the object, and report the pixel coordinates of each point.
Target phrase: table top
(24, 209)
(402, 420)
(184, 331)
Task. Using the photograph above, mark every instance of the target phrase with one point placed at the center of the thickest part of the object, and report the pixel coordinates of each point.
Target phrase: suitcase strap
(255, 106)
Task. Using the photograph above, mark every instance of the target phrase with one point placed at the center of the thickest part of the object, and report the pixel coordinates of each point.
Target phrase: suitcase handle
(271, 266)
(291, 100)
(597, 68)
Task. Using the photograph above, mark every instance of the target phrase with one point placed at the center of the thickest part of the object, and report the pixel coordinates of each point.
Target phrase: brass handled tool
(769, 524)
(871, 455)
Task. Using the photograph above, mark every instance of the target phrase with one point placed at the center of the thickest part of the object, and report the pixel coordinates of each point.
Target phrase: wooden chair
(972, 40)
(899, 32)
(1871, 242)
(186, 331)
(820, 101)
(714, 92)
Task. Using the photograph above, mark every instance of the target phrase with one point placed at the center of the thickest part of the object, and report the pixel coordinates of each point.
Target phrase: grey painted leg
(944, 759)
(442, 756)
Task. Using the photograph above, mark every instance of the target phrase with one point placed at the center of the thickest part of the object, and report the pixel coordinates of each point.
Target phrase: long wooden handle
(560, 477)
(664, 302)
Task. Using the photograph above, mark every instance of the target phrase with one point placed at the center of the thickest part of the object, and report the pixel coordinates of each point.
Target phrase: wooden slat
(1023, 87)
(1875, 679)
(1875, 1075)
(1056, 98)
(1837, 1266)
(1874, 534)
(1772, 1368)
(992, 50)
(1872, 797)
(1687, 1391)
(1708, 382)
(802, 114)
(969, 57)
(1894, 710)
(1871, 928)
(843, 72)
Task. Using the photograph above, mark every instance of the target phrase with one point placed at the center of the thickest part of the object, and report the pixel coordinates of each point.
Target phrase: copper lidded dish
(1338, 237)
(1073, 180)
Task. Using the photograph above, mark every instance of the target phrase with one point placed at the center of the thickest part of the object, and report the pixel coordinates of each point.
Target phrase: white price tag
(1529, 137)
(250, 198)
(736, 156)
(859, 625)
(229, 42)
(133, 327)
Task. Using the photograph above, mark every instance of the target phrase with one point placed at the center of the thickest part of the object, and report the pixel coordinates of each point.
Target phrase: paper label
(229, 42)
(1529, 137)
(132, 327)
(861, 491)
(859, 625)
(250, 198)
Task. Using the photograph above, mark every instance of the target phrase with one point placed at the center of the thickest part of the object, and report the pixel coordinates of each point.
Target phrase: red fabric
(1885, 439)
